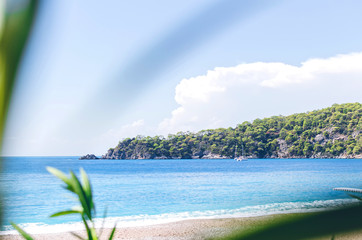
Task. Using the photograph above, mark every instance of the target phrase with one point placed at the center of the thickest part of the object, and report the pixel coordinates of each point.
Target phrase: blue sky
(96, 72)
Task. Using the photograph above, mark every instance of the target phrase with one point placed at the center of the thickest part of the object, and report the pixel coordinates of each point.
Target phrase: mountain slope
(333, 132)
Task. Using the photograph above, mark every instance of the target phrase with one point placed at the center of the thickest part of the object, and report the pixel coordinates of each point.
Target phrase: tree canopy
(327, 133)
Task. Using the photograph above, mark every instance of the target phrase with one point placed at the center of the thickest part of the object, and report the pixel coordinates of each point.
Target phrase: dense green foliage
(330, 132)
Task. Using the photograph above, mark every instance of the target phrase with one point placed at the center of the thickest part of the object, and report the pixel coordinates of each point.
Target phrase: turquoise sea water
(142, 192)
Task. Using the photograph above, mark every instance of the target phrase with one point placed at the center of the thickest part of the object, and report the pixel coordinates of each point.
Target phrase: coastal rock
(88, 156)
(283, 149)
(356, 133)
(213, 156)
(109, 154)
(319, 138)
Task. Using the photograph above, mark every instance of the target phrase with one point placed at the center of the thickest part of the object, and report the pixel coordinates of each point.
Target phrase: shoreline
(197, 229)
(184, 229)
(145, 222)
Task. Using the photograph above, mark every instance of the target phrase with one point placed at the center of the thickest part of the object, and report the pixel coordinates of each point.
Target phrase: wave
(146, 220)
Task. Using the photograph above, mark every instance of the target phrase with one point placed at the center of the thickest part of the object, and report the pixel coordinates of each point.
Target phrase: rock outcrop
(88, 156)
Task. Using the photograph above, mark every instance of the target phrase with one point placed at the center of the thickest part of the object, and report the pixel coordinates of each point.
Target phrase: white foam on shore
(146, 220)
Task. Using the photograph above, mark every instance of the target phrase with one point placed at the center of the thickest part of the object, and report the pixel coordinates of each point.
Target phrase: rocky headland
(333, 132)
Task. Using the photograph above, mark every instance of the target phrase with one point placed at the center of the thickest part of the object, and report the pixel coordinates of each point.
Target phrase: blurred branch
(15, 29)
(327, 223)
(15, 26)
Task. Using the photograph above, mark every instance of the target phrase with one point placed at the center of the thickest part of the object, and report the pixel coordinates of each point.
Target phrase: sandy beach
(184, 230)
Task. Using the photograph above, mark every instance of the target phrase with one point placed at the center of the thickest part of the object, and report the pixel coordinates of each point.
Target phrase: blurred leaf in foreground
(22, 232)
(83, 190)
(16, 19)
(306, 226)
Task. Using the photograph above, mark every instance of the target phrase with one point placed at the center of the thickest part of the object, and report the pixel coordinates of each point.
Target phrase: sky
(96, 72)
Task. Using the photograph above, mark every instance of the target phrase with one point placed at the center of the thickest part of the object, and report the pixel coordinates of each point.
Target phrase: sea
(146, 192)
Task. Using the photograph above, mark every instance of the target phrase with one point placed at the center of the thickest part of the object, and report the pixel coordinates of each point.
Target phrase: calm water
(140, 192)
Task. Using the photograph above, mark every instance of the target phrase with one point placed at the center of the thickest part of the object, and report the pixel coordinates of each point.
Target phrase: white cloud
(345, 65)
(227, 96)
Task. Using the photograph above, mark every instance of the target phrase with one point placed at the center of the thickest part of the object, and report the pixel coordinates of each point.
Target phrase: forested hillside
(333, 132)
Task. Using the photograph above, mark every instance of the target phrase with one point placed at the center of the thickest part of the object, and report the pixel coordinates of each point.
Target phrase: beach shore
(183, 230)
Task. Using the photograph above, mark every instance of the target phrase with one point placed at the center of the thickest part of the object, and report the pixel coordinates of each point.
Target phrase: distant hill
(333, 132)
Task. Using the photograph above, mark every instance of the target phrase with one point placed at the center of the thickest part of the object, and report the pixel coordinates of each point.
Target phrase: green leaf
(22, 232)
(77, 236)
(354, 196)
(306, 226)
(94, 234)
(103, 222)
(83, 190)
(87, 188)
(85, 202)
(91, 232)
(87, 228)
(62, 176)
(112, 233)
(62, 213)
(59, 174)
(15, 29)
